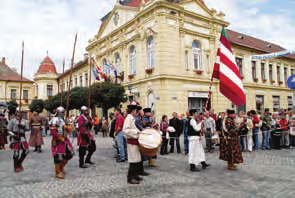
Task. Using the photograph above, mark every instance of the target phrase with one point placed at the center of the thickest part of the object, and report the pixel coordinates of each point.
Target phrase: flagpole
(62, 87)
(21, 87)
(71, 73)
(89, 90)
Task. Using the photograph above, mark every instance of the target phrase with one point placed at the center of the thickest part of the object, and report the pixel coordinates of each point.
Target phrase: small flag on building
(227, 72)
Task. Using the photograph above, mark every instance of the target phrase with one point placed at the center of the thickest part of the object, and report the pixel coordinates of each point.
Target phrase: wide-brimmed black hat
(229, 111)
(192, 111)
(147, 110)
(139, 108)
(132, 105)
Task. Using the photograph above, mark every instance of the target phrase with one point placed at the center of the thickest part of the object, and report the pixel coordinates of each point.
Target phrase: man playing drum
(134, 156)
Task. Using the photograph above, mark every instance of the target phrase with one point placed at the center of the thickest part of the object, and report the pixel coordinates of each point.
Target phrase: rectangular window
(239, 62)
(67, 85)
(76, 81)
(86, 80)
(263, 71)
(186, 59)
(278, 74)
(259, 103)
(270, 72)
(13, 94)
(254, 70)
(71, 84)
(208, 63)
(25, 94)
(81, 81)
(49, 90)
(37, 92)
(292, 72)
(290, 103)
(276, 102)
(285, 75)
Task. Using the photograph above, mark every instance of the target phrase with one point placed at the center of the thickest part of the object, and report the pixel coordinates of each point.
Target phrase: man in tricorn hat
(17, 128)
(230, 147)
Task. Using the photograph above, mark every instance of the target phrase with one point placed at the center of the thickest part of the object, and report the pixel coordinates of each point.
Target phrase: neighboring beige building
(10, 87)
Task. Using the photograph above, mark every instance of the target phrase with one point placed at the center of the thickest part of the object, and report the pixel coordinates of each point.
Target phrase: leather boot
(20, 161)
(88, 161)
(204, 165)
(16, 165)
(193, 168)
(131, 180)
(152, 162)
(57, 172)
(62, 166)
(231, 166)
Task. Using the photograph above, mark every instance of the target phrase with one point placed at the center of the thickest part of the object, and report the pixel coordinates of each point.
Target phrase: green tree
(12, 105)
(37, 105)
(107, 95)
(53, 102)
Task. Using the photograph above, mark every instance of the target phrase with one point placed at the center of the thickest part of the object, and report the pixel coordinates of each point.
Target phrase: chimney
(3, 60)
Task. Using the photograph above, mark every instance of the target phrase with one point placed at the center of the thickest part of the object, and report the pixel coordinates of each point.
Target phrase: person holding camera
(265, 128)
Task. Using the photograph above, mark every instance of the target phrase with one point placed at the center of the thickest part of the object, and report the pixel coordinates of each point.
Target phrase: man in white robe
(196, 150)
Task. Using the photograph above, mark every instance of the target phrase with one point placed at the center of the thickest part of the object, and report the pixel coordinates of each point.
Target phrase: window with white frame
(37, 92)
(49, 90)
(25, 94)
(118, 62)
(239, 62)
(151, 52)
(196, 50)
(81, 81)
(13, 94)
(86, 79)
(132, 60)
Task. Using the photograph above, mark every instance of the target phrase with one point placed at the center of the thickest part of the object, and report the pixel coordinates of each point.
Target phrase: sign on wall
(198, 94)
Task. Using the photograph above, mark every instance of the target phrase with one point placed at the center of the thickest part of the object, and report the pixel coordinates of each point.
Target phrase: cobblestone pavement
(263, 174)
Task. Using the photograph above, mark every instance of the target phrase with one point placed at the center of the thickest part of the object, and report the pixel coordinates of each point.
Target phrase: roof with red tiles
(254, 43)
(47, 66)
(9, 74)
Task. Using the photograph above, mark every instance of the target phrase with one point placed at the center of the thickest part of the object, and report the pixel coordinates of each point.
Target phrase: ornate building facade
(165, 52)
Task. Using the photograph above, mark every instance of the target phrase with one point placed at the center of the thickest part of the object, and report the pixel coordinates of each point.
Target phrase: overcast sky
(50, 25)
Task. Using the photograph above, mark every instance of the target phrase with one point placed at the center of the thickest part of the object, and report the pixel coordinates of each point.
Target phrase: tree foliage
(12, 105)
(108, 95)
(37, 105)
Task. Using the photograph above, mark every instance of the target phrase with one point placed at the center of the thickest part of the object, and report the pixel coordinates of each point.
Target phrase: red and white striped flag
(227, 72)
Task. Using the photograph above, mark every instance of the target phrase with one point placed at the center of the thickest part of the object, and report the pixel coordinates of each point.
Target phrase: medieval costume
(62, 150)
(36, 138)
(196, 150)
(86, 140)
(17, 128)
(230, 149)
(3, 126)
(148, 122)
(134, 156)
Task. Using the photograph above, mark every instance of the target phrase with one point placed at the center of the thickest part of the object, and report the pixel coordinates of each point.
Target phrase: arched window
(196, 50)
(151, 52)
(132, 59)
(117, 62)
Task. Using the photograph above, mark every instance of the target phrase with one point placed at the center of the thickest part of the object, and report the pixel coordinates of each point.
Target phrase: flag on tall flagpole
(227, 72)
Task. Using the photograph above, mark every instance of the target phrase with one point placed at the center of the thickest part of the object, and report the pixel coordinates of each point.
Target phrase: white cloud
(47, 25)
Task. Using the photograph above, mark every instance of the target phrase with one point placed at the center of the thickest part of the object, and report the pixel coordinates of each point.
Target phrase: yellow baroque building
(10, 87)
(165, 51)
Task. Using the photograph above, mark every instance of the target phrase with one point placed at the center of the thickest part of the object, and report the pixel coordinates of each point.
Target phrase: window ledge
(273, 81)
(36, 97)
(49, 97)
(198, 71)
(131, 76)
(280, 82)
(264, 80)
(149, 70)
(26, 100)
(255, 79)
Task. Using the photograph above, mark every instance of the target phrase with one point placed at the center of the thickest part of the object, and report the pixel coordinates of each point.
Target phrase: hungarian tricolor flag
(227, 72)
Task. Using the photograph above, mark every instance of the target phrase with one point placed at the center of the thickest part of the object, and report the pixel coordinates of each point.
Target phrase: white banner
(273, 55)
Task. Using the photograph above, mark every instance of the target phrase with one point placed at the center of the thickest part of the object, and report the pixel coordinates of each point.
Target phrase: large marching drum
(150, 141)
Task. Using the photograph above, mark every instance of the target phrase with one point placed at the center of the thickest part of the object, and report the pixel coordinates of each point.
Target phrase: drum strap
(132, 141)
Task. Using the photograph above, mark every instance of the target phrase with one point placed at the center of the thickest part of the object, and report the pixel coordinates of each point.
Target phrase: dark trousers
(276, 141)
(67, 156)
(82, 152)
(172, 140)
(19, 158)
(208, 136)
(134, 169)
(164, 149)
